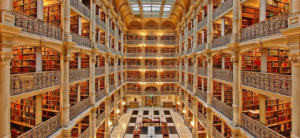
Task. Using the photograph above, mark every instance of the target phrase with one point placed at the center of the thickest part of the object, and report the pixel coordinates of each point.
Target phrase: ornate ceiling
(145, 10)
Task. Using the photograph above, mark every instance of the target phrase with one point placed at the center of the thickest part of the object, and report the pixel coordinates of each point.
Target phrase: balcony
(190, 87)
(191, 69)
(275, 83)
(102, 47)
(133, 54)
(200, 47)
(100, 94)
(81, 40)
(168, 79)
(182, 98)
(168, 92)
(223, 108)
(151, 79)
(202, 118)
(112, 87)
(133, 92)
(202, 95)
(111, 69)
(221, 41)
(79, 74)
(191, 106)
(99, 71)
(182, 83)
(151, 42)
(202, 23)
(119, 83)
(223, 74)
(223, 8)
(133, 79)
(112, 50)
(202, 71)
(168, 54)
(44, 129)
(111, 31)
(100, 23)
(80, 7)
(86, 133)
(168, 42)
(35, 26)
(216, 133)
(119, 68)
(151, 66)
(134, 42)
(190, 32)
(79, 107)
(257, 129)
(151, 54)
(265, 28)
(23, 83)
(133, 67)
(100, 118)
(111, 106)
(189, 51)
(175, 67)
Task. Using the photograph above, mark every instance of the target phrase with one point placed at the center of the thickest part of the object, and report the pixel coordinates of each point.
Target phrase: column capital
(6, 57)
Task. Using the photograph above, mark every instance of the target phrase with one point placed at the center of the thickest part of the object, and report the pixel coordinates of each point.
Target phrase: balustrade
(81, 40)
(133, 92)
(134, 41)
(168, 92)
(133, 67)
(111, 31)
(102, 47)
(275, 83)
(134, 54)
(216, 133)
(100, 118)
(112, 87)
(111, 69)
(99, 71)
(202, 118)
(79, 74)
(151, 54)
(202, 95)
(44, 129)
(78, 108)
(221, 41)
(151, 42)
(223, 108)
(151, 66)
(86, 133)
(223, 8)
(189, 51)
(169, 67)
(151, 79)
(265, 28)
(100, 23)
(35, 26)
(202, 23)
(111, 106)
(100, 94)
(168, 54)
(23, 83)
(190, 32)
(191, 69)
(202, 71)
(257, 129)
(133, 79)
(190, 105)
(79, 6)
(168, 42)
(200, 47)
(168, 79)
(182, 83)
(112, 50)
(119, 68)
(190, 87)
(223, 74)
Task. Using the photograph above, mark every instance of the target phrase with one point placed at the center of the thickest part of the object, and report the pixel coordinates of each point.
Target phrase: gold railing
(99, 71)
(221, 41)
(81, 40)
(225, 6)
(223, 108)
(86, 133)
(223, 74)
(202, 71)
(100, 118)
(257, 129)
(79, 74)
(216, 133)
(265, 28)
(35, 26)
(23, 83)
(276, 83)
(79, 107)
(202, 95)
(100, 94)
(44, 129)
(202, 118)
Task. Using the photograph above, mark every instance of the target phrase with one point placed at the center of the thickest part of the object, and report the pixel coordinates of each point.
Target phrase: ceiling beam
(141, 8)
(162, 8)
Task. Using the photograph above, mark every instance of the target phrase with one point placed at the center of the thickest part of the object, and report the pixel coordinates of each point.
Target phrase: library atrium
(149, 68)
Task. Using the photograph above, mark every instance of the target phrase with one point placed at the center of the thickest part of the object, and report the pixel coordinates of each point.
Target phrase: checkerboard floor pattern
(127, 122)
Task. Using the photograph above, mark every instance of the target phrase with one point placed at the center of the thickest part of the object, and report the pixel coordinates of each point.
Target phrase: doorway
(151, 101)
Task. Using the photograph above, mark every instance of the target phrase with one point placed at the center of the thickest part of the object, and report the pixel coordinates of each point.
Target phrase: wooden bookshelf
(217, 61)
(250, 16)
(101, 131)
(251, 60)
(278, 61)
(227, 131)
(228, 25)
(74, 24)
(217, 88)
(51, 60)
(228, 97)
(250, 100)
(102, 38)
(24, 60)
(85, 61)
(28, 7)
(277, 7)
(73, 94)
(74, 61)
(85, 31)
(52, 14)
(216, 4)
(217, 123)
(151, 49)
(134, 74)
(228, 63)
(168, 104)
(50, 104)
(134, 50)
(84, 90)
(217, 30)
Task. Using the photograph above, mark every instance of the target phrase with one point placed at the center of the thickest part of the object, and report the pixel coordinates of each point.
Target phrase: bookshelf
(216, 4)
(134, 74)
(102, 16)
(84, 90)
(227, 131)
(23, 112)
(217, 61)
(51, 59)
(74, 61)
(134, 50)
(199, 17)
(102, 38)
(28, 7)
(167, 50)
(205, 35)
(228, 63)
(136, 87)
(151, 49)
(250, 15)
(74, 131)
(251, 60)
(73, 94)
(74, 24)
(200, 38)
(168, 62)
(50, 104)
(216, 30)
(278, 61)
(85, 31)
(228, 98)
(217, 123)
(101, 131)
(250, 100)
(85, 61)
(228, 25)
(24, 60)
(277, 7)
(217, 88)
(52, 14)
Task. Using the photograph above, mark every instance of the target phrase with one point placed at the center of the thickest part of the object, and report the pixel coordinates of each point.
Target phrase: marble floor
(128, 120)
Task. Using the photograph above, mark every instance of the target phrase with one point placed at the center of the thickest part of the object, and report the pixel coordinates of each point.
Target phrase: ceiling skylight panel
(147, 8)
(167, 8)
(135, 8)
(156, 8)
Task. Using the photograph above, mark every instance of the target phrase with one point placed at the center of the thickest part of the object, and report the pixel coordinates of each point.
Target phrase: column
(122, 70)
(107, 58)
(116, 71)
(107, 112)
(92, 82)
(222, 26)
(66, 22)
(209, 79)
(180, 70)
(186, 72)
(185, 36)
(180, 37)
(295, 10)
(209, 25)
(38, 109)
(264, 60)
(236, 59)
(93, 22)
(65, 87)
(236, 19)
(107, 29)
(195, 111)
(93, 120)
(262, 10)
(209, 122)
(195, 80)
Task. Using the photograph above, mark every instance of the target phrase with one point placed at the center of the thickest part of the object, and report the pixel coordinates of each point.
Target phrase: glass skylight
(152, 8)
(135, 8)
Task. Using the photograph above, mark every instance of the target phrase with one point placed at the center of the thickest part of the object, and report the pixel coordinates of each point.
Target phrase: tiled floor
(127, 121)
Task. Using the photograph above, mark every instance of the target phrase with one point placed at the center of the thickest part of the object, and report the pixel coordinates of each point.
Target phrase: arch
(151, 25)
(123, 4)
(134, 25)
(167, 25)
(151, 88)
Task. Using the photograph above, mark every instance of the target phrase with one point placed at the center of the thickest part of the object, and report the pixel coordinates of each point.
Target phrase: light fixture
(109, 123)
(183, 111)
(178, 103)
(192, 123)
(118, 111)
(124, 103)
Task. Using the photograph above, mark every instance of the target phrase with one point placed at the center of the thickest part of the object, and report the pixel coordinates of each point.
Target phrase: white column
(209, 79)
(222, 26)
(262, 10)
(295, 97)
(67, 19)
(107, 74)
(92, 82)
(40, 9)
(38, 109)
(65, 88)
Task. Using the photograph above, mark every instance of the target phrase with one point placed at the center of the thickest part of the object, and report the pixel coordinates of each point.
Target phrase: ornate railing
(257, 129)
(190, 105)
(111, 106)
(151, 79)
(119, 68)
(112, 87)
(100, 118)
(133, 92)
(276, 83)
(112, 50)
(190, 32)
(200, 47)
(35, 26)
(23, 83)
(191, 69)
(225, 6)
(100, 23)
(79, 107)
(265, 28)
(223, 74)
(202, 118)
(216, 133)
(134, 54)
(169, 67)
(202, 95)
(182, 98)
(79, 74)
(81, 8)
(119, 83)
(81, 40)
(223, 108)
(168, 42)
(102, 47)
(133, 66)
(151, 66)
(99, 71)
(202, 71)
(151, 54)
(133, 79)
(134, 41)
(190, 87)
(86, 133)
(44, 129)
(221, 41)
(168, 92)
(168, 54)
(111, 69)
(190, 50)
(202, 23)
(182, 83)
(111, 31)
(168, 79)
(120, 53)
(151, 42)
(100, 94)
